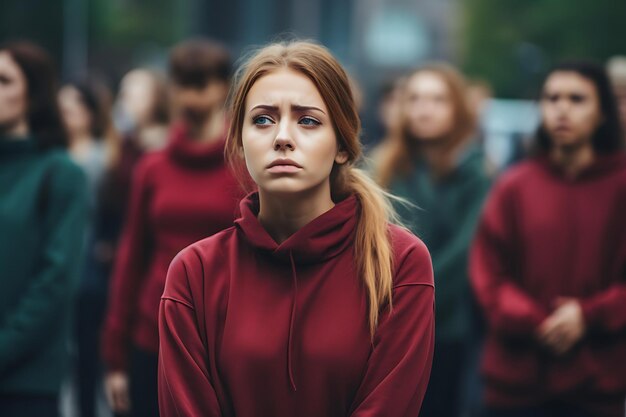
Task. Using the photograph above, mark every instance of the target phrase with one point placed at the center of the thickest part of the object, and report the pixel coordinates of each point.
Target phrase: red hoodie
(252, 328)
(541, 237)
(179, 195)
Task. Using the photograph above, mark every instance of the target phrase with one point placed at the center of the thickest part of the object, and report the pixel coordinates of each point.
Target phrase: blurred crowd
(99, 190)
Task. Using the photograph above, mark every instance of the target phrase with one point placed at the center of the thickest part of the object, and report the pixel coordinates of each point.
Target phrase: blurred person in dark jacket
(179, 195)
(549, 261)
(43, 214)
(94, 145)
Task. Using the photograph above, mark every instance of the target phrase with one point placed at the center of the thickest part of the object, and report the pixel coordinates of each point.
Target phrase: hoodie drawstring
(291, 322)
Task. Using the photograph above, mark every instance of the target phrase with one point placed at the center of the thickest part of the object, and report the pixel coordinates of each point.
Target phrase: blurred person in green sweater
(43, 212)
(434, 163)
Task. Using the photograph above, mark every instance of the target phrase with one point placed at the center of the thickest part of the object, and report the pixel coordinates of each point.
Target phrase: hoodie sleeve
(185, 388)
(399, 366)
(508, 308)
(606, 310)
(129, 270)
(51, 291)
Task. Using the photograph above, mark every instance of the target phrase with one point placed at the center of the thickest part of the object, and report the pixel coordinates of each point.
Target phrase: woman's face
(570, 108)
(288, 138)
(75, 114)
(137, 96)
(13, 93)
(428, 109)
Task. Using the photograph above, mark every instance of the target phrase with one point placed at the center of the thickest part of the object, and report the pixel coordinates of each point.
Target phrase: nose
(283, 140)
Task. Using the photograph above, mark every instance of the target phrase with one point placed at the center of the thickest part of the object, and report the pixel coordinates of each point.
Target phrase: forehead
(570, 81)
(8, 64)
(284, 86)
(69, 92)
(428, 81)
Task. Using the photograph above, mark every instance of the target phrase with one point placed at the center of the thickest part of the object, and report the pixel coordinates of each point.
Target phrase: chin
(568, 144)
(286, 186)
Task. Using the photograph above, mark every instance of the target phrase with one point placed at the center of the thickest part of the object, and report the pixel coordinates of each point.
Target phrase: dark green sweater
(447, 213)
(43, 210)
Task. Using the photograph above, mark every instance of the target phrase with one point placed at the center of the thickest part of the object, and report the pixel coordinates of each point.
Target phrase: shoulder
(63, 174)
(519, 174)
(148, 166)
(213, 246)
(190, 266)
(411, 258)
(151, 160)
(60, 162)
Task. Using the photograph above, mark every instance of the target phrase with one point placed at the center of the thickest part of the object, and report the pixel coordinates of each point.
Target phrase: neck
(18, 130)
(210, 129)
(282, 216)
(439, 157)
(572, 160)
(152, 136)
(79, 138)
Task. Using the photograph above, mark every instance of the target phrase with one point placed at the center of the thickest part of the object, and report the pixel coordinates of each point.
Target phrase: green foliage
(128, 22)
(511, 43)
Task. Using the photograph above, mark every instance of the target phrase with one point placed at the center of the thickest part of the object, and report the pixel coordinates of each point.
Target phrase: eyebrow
(294, 107)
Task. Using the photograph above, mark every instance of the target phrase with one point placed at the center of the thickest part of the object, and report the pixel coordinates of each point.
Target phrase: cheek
(253, 151)
(15, 95)
(321, 150)
(12, 102)
(446, 118)
(548, 114)
(589, 119)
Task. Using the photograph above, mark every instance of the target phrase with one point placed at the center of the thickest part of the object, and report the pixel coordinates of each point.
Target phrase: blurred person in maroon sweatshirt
(94, 145)
(141, 116)
(313, 304)
(549, 261)
(178, 195)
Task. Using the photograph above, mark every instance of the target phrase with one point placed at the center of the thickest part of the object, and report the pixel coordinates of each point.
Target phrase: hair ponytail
(373, 251)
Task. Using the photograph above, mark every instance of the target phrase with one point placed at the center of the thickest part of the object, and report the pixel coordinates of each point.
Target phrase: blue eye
(309, 121)
(262, 120)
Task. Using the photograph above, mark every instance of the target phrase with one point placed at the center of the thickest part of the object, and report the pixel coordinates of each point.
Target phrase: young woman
(435, 165)
(548, 262)
(94, 146)
(312, 304)
(43, 213)
(180, 195)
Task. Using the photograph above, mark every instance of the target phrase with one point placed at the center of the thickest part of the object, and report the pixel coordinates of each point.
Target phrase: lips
(283, 166)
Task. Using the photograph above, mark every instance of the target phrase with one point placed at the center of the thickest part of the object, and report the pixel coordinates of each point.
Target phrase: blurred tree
(511, 43)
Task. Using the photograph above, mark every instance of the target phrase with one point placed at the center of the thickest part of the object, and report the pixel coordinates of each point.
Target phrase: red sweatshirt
(541, 237)
(251, 328)
(180, 195)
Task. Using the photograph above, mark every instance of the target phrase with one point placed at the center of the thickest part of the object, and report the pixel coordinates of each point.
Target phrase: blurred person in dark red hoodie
(142, 113)
(549, 261)
(179, 195)
(313, 304)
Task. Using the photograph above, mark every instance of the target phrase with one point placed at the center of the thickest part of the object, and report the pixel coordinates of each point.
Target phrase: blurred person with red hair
(548, 263)
(179, 195)
(434, 163)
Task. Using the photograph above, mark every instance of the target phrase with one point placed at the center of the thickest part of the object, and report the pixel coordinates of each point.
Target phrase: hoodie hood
(194, 154)
(324, 237)
(603, 165)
